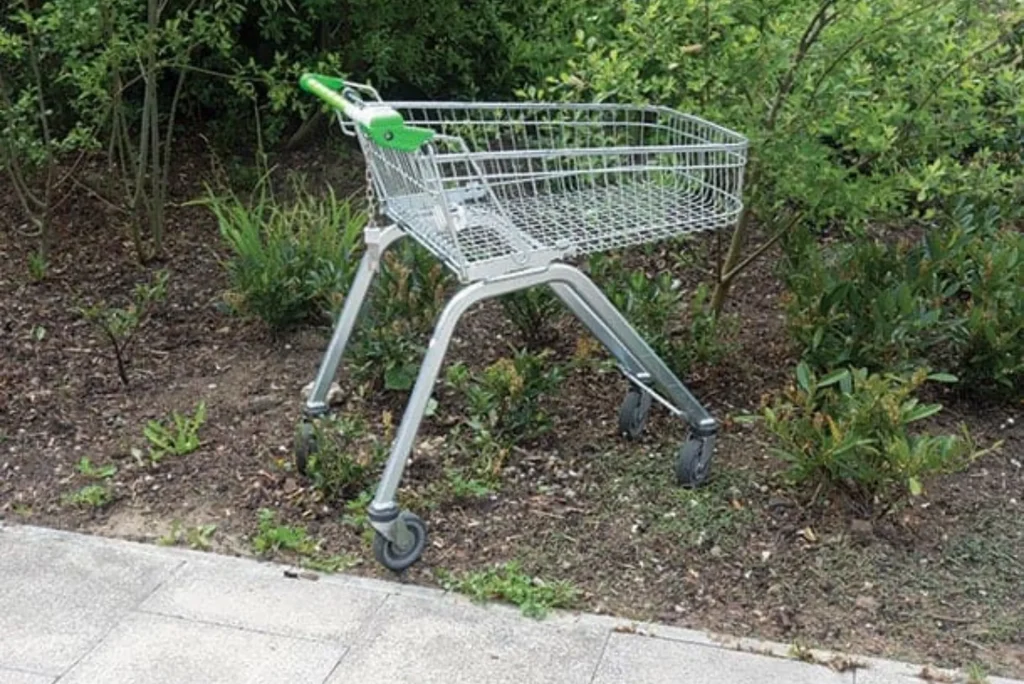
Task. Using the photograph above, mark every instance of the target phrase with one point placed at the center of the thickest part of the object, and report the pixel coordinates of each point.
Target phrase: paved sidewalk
(76, 609)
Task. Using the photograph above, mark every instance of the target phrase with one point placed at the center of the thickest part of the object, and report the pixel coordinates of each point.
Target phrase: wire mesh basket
(500, 187)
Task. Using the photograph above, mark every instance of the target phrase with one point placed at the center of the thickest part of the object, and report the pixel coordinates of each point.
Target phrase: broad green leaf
(833, 377)
(803, 377)
(923, 411)
(914, 485)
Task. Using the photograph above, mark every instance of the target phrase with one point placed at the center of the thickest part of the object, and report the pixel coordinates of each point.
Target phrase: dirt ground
(939, 581)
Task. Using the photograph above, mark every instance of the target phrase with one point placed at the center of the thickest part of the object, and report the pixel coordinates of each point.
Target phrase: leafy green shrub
(534, 313)
(344, 458)
(292, 262)
(409, 295)
(851, 431)
(656, 307)
(504, 400)
(952, 301)
(508, 582)
(860, 112)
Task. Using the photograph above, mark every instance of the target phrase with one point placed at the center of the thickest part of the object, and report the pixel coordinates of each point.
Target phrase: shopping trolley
(506, 194)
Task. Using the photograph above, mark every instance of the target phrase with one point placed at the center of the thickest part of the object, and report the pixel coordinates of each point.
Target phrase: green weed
(344, 457)
(38, 267)
(508, 582)
(199, 537)
(273, 537)
(178, 438)
(410, 293)
(504, 400)
(534, 312)
(91, 496)
(88, 469)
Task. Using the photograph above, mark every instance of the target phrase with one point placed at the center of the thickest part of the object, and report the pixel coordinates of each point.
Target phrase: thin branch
(170, 127)
(764, 247)
(96, 194)
(818, 23)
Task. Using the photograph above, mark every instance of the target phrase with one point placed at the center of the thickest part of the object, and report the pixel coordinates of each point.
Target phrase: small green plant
(199, 537)
(120, 326)
(851, 431)
(463, 487)
(273, 537)
(177, 438)
(38, 267)
(89, 469)
(504, 400)
(356, 516)
(291, 262)
(344, 458)
(681, 335)
(331, 564)
(409, 295)
(976, 674)
(92, 496)
(508, 582)
(534, 312)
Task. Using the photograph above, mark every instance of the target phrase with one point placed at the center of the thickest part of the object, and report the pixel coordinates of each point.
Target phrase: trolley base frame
(638, 362)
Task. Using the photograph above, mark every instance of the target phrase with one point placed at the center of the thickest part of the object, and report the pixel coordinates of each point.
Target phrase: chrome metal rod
(376, 244)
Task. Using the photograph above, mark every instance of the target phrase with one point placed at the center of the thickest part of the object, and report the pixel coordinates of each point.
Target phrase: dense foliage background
(886, 148)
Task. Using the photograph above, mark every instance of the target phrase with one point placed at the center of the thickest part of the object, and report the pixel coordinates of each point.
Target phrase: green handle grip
(383, 124)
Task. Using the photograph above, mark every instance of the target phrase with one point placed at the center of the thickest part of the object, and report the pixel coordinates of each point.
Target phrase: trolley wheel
(304, 447)
(633, 412)
(692, 464)
(397, 559)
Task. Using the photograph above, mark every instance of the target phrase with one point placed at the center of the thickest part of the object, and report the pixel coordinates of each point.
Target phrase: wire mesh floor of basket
(569, 223)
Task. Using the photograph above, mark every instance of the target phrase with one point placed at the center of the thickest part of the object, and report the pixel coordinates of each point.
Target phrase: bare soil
(940, 580)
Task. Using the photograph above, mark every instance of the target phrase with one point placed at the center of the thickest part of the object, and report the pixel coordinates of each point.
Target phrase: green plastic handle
(381, 123)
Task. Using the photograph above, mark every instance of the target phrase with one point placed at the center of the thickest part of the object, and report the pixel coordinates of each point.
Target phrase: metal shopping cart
(504, 194)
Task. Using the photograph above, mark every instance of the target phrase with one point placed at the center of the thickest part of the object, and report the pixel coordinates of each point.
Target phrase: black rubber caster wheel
(693, 465)
(398, 559)
(633, 412)
(305, 446)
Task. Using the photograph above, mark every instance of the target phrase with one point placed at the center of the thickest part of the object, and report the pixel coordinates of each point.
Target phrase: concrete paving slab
(155, 649)
(60, 596)
(449, 641)
(8, 676)
(631, 658)
(260, 597)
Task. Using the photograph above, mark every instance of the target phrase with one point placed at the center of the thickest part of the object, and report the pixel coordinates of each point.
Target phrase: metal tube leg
(615, 327)
(598, 328)
(383, 510)
(376, 242)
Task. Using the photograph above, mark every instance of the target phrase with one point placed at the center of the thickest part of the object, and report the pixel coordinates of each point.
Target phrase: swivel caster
(397, 558)
(693, 461)
(633, 412)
